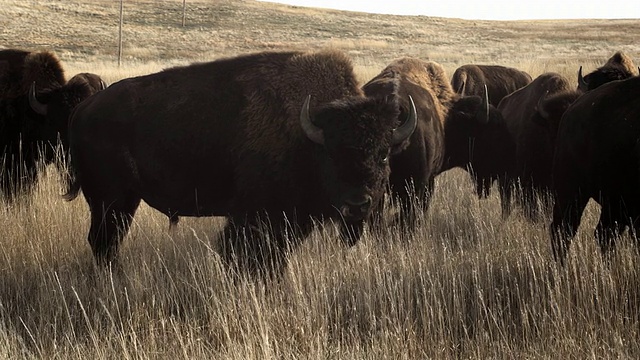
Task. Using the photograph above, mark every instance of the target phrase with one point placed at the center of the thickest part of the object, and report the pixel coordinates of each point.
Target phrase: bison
(499, 81)
(476, 139)
(35, 103)
(530, 113)
(447, 123)
(273, 141)
(415, 163)
(618, 67)
(598, 156)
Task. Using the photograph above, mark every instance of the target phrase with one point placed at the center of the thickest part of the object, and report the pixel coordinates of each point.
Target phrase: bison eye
(384, 157)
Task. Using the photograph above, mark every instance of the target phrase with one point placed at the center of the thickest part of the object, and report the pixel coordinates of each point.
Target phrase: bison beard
(275, 142)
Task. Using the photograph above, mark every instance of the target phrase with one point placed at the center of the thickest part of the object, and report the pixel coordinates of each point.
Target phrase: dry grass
(465, 284)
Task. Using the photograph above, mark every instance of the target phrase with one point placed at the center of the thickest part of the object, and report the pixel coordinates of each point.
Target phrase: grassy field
(465, 284)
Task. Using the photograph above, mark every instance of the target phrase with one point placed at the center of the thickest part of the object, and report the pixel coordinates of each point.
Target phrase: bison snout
(356, 209)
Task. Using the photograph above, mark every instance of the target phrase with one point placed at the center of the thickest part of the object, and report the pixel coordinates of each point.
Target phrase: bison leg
(566, 220)
(413, 201)
(530, 203)
(506, 189)
(611, 224)
(259, 247)
(110, 222)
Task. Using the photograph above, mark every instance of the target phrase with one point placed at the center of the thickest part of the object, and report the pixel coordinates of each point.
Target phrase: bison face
(477, 139)
(53, 108)
(356, 137)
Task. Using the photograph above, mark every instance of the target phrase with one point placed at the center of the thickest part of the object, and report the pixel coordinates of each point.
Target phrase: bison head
(618, 67)
(356, 136)
(55, 105)
(550, 108)
(477, 139)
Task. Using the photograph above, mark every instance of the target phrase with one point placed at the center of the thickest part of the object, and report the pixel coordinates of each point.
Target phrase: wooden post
(184, 12)
(120, 32)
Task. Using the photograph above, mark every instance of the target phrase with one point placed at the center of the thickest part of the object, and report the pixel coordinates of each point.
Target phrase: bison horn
(483, 113)
(36, 105)
(103, 85)
(582, 83)
(405, 130)
(463, 88)
(313, 132)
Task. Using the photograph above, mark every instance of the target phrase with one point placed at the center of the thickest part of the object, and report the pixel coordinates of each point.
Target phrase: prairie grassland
(465, 284)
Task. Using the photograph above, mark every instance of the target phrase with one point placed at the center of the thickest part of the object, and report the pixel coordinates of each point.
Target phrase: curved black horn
(405, 130)
(103, 85)
(313, 132)
(36, 105)
(582, 84)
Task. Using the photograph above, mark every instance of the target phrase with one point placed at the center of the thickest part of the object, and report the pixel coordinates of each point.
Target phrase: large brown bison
(35, 103)
(499, 81)
(415, 163)
(618, 67)
(271, 141)
(530, 114)
(598, 156)
(447, 124)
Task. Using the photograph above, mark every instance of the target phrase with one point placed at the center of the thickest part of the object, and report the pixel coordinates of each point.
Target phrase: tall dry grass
(464, 284)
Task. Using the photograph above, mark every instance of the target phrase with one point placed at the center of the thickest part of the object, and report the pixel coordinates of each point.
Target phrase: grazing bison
(35, 103)
(415, 163)
(270, 140)
(500, 81)
(598, 156)
(618, 67)
(530, 113)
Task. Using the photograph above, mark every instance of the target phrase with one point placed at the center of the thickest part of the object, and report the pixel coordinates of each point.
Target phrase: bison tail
(73, 189)
(72, 183)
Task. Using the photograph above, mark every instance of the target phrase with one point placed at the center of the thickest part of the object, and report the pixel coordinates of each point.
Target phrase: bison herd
(278, 141)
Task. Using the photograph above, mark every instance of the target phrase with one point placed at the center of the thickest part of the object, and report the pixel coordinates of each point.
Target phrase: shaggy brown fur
(21, 68)
(619, 67)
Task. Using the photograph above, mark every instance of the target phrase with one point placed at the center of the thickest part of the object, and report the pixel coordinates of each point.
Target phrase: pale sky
(487, 9)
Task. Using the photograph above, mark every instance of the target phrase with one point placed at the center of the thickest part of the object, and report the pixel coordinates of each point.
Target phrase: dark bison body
(598, 156)
(618, 67)
(499, 81)
(475, 134)
(530, 113)
(35, 103)
(270, 140)
(417, 161)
